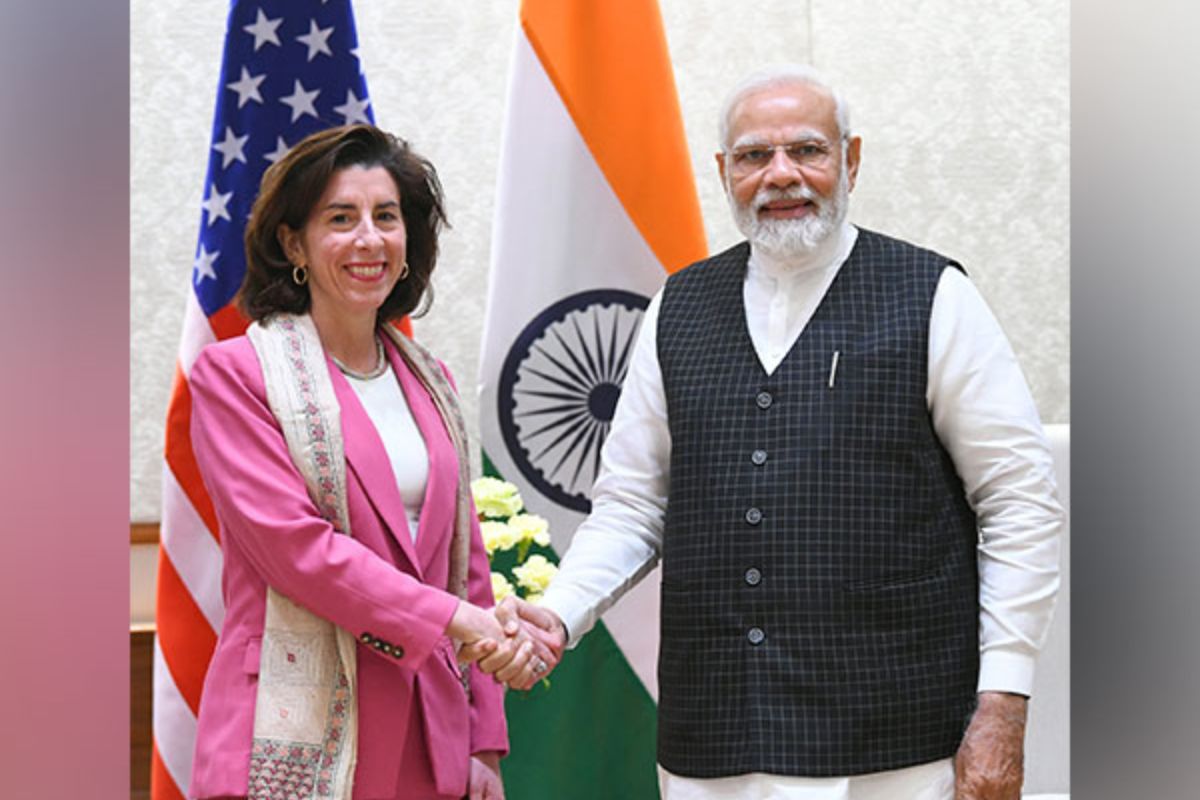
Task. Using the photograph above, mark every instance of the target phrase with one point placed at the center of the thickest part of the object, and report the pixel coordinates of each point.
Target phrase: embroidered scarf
(306, 709)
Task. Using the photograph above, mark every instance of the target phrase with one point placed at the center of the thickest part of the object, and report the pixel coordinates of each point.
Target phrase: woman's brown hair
(291, 188)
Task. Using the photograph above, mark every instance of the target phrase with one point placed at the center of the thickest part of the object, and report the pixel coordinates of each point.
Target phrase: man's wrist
(1009, 706)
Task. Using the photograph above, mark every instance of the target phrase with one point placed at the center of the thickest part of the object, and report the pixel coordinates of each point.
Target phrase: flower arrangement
(506, 527)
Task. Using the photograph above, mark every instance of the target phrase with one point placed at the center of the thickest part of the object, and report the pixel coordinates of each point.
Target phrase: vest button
(756, 636)
(764, 400)
(758, 458)
(754, 516)
(753, 577)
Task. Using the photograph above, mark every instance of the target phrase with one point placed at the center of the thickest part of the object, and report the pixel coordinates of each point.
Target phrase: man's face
(787, 172)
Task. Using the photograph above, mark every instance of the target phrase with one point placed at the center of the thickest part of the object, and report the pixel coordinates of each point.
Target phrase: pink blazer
(417, 728)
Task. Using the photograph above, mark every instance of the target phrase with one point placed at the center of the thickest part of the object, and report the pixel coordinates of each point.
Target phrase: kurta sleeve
(985, 416)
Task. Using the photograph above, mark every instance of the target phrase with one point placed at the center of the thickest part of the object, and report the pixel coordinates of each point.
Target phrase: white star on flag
(264, 30)
(203, 265)
(232, 148)
(354, 110)
(279, 152)
(216, 204)
(247, 87)
(317, 40)
(301, 101)
(357, 57)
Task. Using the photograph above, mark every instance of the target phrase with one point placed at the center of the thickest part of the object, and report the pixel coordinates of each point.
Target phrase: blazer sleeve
(266, 513)
(489, 730)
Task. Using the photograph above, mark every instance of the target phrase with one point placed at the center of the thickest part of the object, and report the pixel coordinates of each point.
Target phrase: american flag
(290, 67)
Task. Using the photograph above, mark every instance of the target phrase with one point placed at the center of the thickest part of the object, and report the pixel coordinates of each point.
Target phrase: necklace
(381, 365)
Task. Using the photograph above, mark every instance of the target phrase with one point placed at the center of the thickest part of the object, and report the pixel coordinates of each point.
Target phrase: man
(826, 439)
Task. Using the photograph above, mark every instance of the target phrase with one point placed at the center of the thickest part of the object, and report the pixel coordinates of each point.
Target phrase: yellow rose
(535, 599)
(501, 588)
(497, 536)
(531, 528)
(535, 574)
(496, 498)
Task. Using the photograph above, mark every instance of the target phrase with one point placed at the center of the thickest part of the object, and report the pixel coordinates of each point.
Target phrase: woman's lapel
(437, 510)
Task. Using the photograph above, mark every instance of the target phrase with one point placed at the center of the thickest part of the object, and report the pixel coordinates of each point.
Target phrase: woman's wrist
(490, 759)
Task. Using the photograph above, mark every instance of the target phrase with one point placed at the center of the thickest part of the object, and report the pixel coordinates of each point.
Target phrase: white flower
(496, 498)
(501, 588)
(498, 536)
(531, 528)
(535, 574)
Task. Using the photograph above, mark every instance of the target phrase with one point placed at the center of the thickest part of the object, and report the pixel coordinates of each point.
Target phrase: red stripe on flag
(228, 322)
(184, 635)
(162, 785)
(180, 457)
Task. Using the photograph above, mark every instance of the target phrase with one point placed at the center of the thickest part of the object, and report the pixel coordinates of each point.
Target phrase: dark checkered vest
(819, 592)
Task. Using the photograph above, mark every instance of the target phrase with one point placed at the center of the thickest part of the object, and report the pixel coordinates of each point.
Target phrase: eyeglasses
(807, 153)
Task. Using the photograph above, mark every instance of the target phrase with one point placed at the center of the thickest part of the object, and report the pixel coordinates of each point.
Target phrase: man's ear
(720, 156)
(853, 158)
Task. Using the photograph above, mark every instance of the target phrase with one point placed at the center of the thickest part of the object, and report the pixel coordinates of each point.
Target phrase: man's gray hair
(781, 75)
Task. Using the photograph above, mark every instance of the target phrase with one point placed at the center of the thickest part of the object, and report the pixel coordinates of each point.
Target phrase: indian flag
(596, 205)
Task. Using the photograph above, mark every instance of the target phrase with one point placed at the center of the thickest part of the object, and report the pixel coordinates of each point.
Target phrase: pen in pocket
(833, 367)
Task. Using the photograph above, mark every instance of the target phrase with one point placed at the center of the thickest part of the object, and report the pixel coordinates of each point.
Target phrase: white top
(385, 404)
(982, 413)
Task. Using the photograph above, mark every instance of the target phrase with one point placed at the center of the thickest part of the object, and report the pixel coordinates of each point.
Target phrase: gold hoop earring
(299, 275)
(404, 270)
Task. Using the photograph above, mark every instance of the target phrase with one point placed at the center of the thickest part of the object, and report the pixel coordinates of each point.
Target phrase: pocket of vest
(890, 584)
(903, 603)
(872, 399)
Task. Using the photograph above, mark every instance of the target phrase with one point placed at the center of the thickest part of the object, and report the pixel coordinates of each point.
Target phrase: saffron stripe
(610, 65)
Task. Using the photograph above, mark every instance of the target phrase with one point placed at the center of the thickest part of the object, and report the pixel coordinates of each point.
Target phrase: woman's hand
(471, 623)
(484, 781)
(478, 630)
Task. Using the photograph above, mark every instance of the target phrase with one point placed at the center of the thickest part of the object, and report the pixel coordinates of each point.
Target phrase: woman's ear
(289, 240)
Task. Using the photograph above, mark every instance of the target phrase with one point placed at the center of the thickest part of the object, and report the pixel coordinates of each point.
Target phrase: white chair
(1048, 736)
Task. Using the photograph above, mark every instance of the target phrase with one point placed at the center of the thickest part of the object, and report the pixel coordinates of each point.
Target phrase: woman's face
(353, 243)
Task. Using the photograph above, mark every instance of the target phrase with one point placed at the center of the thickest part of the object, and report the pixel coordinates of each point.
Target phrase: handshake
(517, 642)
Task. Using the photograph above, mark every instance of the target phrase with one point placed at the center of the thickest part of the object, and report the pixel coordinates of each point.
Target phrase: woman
(334, 454)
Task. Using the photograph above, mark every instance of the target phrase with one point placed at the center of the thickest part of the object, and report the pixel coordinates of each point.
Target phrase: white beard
(786, 239)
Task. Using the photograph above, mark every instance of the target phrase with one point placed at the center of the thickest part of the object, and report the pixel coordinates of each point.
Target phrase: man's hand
(990, 763)
(543, 627)
(484, 781)
(507, 656)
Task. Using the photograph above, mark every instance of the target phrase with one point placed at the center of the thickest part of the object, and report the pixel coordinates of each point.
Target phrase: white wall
(962, 104)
